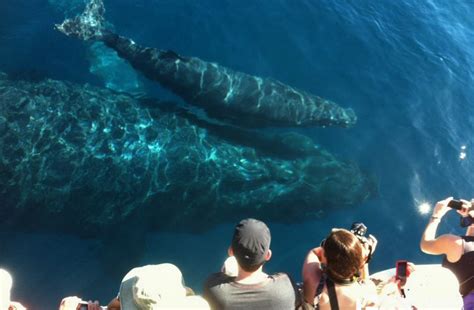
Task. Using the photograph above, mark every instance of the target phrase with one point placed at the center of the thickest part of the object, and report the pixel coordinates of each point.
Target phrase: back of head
(156, 287)
(344, 254)
(251, 243)
(6, 282)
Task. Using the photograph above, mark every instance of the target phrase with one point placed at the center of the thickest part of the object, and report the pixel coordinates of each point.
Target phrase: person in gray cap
(250, 287)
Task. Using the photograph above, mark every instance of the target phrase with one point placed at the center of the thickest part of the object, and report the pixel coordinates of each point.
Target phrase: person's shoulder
(218, 278)
(283, 277)
(280, 275)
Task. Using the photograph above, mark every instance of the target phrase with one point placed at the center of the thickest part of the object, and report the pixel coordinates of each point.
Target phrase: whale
(85, 160)
(225, 94)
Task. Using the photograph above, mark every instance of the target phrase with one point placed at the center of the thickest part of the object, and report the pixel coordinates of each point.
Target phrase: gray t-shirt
(274, 293)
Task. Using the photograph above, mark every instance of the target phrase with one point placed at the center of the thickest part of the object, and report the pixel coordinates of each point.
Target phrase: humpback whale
(85, 159)
(223, 93)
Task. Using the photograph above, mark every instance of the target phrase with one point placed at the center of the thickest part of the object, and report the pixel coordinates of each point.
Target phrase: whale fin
(88, 25)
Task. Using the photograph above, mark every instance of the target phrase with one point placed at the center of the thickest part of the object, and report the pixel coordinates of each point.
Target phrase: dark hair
(249, 268)
(344, 255)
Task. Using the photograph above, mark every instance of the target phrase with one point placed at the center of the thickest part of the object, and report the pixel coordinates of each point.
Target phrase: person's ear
(268, 255)
(230, 252)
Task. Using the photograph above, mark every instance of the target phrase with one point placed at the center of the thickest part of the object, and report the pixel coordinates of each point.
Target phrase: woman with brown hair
(334, 274)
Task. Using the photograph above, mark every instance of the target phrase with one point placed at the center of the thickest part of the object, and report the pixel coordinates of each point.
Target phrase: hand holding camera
(369, 242)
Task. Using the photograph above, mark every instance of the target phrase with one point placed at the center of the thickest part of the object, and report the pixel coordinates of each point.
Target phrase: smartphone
(82, 306)
(455, 204)
(401, 270)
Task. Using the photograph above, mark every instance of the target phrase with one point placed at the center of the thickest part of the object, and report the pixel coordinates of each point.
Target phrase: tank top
(463, 269)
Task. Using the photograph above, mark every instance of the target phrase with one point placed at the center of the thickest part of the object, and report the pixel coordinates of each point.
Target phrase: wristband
(434, 218)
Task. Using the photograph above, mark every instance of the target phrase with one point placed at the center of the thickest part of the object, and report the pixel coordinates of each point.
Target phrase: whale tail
(89, 25)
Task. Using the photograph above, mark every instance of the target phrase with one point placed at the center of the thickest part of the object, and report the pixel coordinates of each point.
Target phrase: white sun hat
(6, 282)
(157, 287)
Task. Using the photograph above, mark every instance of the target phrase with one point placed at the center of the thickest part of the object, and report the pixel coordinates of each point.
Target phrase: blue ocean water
(405, 67)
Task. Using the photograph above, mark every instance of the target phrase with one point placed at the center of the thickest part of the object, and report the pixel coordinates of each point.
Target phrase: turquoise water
(405, 67)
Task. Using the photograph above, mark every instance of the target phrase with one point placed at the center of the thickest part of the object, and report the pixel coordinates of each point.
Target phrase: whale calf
(239, 98)
(84, 159)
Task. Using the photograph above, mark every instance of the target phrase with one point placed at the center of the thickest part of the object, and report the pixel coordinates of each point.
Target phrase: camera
(359, 229)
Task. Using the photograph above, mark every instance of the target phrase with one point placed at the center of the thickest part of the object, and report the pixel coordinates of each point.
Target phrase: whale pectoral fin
(169, 54)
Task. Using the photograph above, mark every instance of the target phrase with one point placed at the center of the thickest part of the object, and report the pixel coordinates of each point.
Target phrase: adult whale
(223, 93)
(87, 160)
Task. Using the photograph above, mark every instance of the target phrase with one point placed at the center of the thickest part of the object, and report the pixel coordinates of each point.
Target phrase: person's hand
(402, 282)
(373, 242)
(72, 303)
(466, 209)
(441, 207)
(231, 267)
(369, 245)
(411, 267)
(93, 305)
(69, 303)
(16, 306)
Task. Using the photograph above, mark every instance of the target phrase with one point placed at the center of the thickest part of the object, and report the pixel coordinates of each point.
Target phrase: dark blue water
(405, 67)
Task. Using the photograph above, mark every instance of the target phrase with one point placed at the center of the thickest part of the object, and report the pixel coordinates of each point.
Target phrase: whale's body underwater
(84, 159)
(87, 160)
(236, 97)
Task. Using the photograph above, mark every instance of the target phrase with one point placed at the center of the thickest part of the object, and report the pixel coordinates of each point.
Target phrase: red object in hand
(402, 271)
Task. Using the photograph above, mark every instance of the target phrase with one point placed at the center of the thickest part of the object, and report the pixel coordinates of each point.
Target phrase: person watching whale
(458, 250)
(249, 287)
(335, 274)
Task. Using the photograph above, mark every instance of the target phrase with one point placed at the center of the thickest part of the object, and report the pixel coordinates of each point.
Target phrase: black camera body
(359, 229)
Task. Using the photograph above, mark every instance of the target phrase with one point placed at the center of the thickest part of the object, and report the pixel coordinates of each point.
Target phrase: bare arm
(369, 249)
(468, 211)
(445, 244)
(311, 274)
(470, 231)
(114, 304)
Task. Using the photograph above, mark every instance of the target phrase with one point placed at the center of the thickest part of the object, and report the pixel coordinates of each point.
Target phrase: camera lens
(358, 229)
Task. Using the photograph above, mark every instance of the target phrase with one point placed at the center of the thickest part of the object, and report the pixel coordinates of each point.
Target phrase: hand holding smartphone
(401, 271)
(455, 204)
(82, 305)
